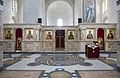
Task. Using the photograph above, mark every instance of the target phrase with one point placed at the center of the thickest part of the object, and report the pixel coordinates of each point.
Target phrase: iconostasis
(32, 38)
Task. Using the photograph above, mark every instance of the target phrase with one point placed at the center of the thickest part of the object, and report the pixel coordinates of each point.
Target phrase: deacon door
(100, 38)
(60, 39)
(18, 39)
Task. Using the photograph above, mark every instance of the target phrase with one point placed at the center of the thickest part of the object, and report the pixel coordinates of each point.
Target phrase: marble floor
(23, 65)
(20, 74)
(99, 74)
(82, 74)
(90, 68)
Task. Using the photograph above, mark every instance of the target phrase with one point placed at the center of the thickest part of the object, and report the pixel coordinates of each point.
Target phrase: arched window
(14, 5)
(105, 6)
(60, 22)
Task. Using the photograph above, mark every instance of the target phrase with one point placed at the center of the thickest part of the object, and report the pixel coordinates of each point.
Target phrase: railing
(1, 2)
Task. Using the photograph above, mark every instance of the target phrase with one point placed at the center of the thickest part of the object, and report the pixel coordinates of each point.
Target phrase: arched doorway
(59, 10)
(60, 39)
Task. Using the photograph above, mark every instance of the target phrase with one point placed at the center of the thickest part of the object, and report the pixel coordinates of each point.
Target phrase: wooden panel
(60, 39)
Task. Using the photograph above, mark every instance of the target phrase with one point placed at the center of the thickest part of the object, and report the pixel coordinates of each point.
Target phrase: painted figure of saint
(100, 42)
(19, 42)
(90, 11)
(49, 36)
(29, 36)
(8, 35)
(71, 37)
(90, 36)
(110, 35)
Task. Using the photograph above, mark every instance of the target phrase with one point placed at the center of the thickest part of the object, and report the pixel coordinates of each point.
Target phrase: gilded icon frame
(112, 30)
(8, 33)
(92, 32)
(72, 35)
(48, 34)
(29, 36)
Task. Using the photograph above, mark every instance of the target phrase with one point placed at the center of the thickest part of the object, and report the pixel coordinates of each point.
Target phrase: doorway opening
(60, 40)
(18, 39)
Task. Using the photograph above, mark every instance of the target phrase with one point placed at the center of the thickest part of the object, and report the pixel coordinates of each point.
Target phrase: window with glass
(105, 6)
(14, 5)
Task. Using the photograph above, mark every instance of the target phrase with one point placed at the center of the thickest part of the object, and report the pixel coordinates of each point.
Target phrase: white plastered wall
(7, 16)
(111, 13)
(118, 47)
(1, 53)
(77, 11)
(30, 10)
(8, 13)
(41, 11)
(1, 36)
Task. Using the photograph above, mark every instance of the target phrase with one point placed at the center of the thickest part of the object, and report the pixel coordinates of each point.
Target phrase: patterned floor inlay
(50, 62)
(60, 74)
(86, 64)
(9, 62)
(109, 61)
(9, 59)
(20, 74)
(58, 60)
(33, 64)
(99, 74)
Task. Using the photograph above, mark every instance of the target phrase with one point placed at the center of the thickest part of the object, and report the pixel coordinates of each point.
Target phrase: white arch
(59, 9)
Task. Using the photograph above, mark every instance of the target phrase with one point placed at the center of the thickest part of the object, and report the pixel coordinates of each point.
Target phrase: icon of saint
(110, 35)
(90, 36)
(29, 36)
(100, 42)
(70, 37)
(8, 35)
(19, 42)
(49, 36)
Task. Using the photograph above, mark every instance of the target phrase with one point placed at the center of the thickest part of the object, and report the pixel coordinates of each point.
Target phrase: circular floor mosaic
(60, 74)
(33, 64)
(58, 60)
(86, 64)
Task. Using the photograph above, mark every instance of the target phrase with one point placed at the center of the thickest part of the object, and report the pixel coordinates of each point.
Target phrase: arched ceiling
(48, 2)
(60, 8)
